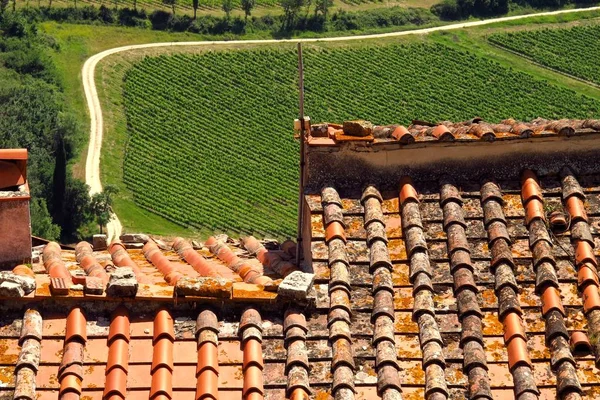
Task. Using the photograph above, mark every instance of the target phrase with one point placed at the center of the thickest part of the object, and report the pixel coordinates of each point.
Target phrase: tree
(290, 10)
(101, 205)
(171, 3)
(247, 6)
(322, 6)
(227, 6)
(76, 208)
(41, 221)
(195, 4)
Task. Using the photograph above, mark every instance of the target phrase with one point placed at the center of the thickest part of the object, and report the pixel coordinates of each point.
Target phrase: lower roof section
(439, 290)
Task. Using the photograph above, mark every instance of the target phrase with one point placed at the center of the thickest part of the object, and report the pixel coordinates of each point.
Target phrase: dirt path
(92, 166)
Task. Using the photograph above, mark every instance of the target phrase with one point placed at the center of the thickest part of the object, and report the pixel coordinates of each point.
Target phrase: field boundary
(92, 166)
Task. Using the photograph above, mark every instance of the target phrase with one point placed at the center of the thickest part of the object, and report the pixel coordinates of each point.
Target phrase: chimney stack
(15, 222)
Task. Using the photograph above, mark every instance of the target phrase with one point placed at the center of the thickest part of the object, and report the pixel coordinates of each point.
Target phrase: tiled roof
(432, 286)
(72, 344)
(476, 129)
(437, 290)
(478, 297)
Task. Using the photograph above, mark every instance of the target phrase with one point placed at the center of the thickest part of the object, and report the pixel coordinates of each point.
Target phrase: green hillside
(210, 141)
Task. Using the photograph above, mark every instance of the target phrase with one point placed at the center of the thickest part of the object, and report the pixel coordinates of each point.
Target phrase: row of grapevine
(573, 50)
(211, 144)
(185, 6)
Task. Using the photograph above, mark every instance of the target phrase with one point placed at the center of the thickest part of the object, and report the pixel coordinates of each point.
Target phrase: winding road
(92, 166)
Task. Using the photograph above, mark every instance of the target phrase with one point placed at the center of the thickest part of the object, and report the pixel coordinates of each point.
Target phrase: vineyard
(182, 6)
(210, 139)
(573, 51)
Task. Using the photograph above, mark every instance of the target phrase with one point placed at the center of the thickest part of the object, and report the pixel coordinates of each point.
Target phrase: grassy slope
(80, 41)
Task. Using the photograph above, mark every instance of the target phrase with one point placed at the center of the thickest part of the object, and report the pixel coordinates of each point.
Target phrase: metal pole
(302, 138)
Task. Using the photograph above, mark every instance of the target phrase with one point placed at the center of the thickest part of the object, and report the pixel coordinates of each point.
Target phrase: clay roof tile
(207, 358)
(207, 386)
(118, 355)
(119, 325)
(70, 383)
(163, 325)
(76, 326)
(294, 318)
(116, 383)
(32, 326)
(253, 354)
(162, 383)
(162, 356)
(253, 381)
(207, 319)
(250, 318)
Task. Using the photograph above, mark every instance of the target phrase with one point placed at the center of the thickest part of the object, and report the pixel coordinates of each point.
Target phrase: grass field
(210, 140)
(573, 51)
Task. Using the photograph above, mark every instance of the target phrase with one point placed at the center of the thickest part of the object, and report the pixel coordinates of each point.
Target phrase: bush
(106, 15)
(130, 17)
(160, 20)
(447, 10)
(203, 24)
(377, 18)
(180, 23)
(13, 25)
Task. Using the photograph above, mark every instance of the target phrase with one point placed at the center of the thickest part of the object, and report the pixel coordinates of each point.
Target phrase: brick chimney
(15, 222)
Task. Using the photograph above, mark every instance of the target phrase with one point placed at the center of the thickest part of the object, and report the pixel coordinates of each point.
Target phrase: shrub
(160, 19)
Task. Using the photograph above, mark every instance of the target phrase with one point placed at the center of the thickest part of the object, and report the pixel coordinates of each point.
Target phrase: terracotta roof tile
(297, 368)
(85, 257)
(121, 258)
(163, 326)
(198, 262)
(118, 355)
(32, 326)
(246, 270)
(580, 344)
(76, 326)
(552, 308)
(27, 364)
(465, 291)
(53, 263)
(276, 261)
(23, 270)
(250, 331)
(162, 383)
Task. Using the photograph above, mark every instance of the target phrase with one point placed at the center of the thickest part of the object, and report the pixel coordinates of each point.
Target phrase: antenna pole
(302, 139)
